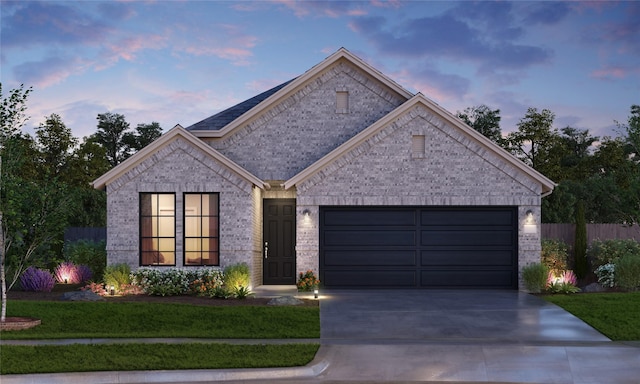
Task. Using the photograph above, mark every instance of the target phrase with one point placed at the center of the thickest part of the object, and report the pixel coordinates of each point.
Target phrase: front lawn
(70, 320)
(616, 315)
(127, 357)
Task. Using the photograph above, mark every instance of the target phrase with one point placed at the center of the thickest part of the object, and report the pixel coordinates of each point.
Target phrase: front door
(279, 244)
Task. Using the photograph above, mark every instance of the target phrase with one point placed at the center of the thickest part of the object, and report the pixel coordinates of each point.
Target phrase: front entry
(279, 234)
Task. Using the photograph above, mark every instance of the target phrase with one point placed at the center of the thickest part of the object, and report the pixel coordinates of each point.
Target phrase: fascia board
(299, 82)
(143, 154)
(546, 183)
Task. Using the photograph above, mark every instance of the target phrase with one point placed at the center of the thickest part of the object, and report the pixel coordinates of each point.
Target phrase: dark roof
(221, 119)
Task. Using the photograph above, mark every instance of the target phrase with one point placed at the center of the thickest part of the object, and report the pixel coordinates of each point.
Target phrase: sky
(178, 62)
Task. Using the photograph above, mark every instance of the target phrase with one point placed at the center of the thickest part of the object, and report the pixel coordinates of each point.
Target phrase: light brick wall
(455, 171)
(177, 168)
(292, 135)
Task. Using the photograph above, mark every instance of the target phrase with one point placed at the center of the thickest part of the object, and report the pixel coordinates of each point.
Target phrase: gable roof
(249, 109)
(168, 137)
(546, 184)
(221, 119)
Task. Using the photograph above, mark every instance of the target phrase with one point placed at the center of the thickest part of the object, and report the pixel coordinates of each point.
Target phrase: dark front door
(279, 246)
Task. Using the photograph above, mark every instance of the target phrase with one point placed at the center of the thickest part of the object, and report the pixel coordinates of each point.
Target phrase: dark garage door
(418, 247)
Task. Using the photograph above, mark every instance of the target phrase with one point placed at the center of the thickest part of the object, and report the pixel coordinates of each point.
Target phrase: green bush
(555, 254)
(535, 277)
(236, 276)
(628, 272)
(89, 253)
(177, 281)
(610, 251)
(118, 276)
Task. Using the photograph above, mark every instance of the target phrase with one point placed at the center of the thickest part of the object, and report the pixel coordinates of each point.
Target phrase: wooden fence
(95, 234)
(566, 232)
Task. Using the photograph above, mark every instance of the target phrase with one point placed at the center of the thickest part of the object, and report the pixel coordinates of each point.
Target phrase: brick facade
(298, 130)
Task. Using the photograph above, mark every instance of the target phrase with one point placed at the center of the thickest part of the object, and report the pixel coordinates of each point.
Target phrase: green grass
(616, 315)
(70, 320)
(126, 357)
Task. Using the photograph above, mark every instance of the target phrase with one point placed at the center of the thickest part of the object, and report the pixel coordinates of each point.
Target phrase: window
(417, 146)
(201, 229)
(157, 229)
(342, 102)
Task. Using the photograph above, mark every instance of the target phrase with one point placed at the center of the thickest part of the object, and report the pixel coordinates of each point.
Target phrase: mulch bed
(57, 292)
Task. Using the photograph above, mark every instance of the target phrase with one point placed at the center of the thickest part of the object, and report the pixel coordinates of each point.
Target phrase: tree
(535, 141)
(144, 134)
(484, 120)
(632, 132)
(12, 118)
(55, 143)
(575, 159)
(111, 130)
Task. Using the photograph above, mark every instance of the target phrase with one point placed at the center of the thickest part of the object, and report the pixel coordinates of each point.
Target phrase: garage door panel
(464, 217)
(467, 278)
(370, 279)
(466, 258)
(420, 247)
(369, 258)
(369, 238)
(459, 237)
(377, 217)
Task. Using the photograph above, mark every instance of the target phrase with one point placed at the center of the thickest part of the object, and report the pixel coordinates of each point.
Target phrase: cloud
(49, 71)
(546, 13)
(42, 23)
(625, 32)
(235, 45)
(433, 83)
(614, 72)
(127, 48)
(332, 9)
(451, 37)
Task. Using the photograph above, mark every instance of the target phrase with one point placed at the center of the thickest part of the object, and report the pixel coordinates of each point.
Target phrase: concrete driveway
(463, 335)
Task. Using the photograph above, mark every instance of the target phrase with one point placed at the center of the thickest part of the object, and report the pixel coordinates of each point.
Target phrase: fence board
(566, 232)
(95, 234)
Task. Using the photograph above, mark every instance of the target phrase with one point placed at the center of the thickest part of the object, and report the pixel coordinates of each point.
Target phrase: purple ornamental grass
(69, 273)
(569, 277)
(38, 280)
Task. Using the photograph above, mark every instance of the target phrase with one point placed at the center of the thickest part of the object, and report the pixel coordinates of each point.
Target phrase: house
(341, 171)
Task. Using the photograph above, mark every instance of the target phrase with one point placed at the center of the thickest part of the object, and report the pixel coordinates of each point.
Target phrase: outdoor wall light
(530, 219)
(112, 290)
(306, 213)
(530, 223)
(315, 293)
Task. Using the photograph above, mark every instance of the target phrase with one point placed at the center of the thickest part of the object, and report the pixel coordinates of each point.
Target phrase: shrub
(241, 292)
(610, 251)
(554, 255)
(96, 288)
(69, 273)
(38, 280)
(89, 253)
(307, 281)
(236, 276)
(606, 275)
(535, 277)
(177, 281)
(565, 282)
(118, 276)
(220, 292)
(628, 272)
(580, 244)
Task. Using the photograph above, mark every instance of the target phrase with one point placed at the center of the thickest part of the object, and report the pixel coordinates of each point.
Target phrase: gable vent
(342, 102)
(417, 146)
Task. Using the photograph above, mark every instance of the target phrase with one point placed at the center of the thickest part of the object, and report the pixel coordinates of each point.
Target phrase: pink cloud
(613, 73)
(236, 46)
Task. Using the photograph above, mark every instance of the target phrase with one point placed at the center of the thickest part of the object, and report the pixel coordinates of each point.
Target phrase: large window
(157, 229)
(201, 229)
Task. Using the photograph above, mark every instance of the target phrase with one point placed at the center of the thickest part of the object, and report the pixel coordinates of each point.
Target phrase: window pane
(212, 259)
(167, 258)
(145, 205)
(192, 205)
(192, 244)
(166, 227)
(146, 227)
(166, 202)
(193, 258)
(166, 245)
(192, 227)
(212, 224)
(213, 204)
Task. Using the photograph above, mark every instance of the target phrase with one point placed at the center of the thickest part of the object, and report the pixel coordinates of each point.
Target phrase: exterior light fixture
(112, 290)
(315, 293)
(306, 213)
(530, 222)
